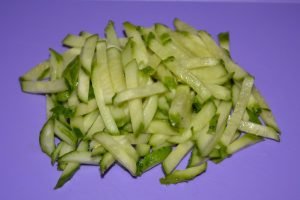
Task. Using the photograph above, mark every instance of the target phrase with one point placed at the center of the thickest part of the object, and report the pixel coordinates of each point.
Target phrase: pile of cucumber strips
(151, 97)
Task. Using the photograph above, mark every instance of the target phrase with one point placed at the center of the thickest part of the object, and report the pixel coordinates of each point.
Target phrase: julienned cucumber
(152, 97)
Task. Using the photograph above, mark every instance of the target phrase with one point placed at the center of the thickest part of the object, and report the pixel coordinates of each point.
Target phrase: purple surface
(265, 41)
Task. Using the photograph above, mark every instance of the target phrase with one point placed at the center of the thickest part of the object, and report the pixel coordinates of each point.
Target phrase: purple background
(265, 41)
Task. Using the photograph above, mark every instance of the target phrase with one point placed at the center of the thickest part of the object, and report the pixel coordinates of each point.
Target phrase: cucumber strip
(139, 51)
(191, 43)
(67, 174)
(80, 157)
(219, 80)
(135, 105)
(111, 34)
(56, 65)
(83, 86)
(89, 120)
(66, 148)
(106, 162)
(238, 112)
(165, 36)
(126, 55)
(73, 41)
(139, 92)
(46, 138)
(219, 92)
(163, 104)
(116, 69)
(70, 54)
(203, 138)
(85, 108)
(180, 111)
(55, 153)
(98, 150)
(224, 40)
(195, 158)
(259, 130)
(223, 111)
(213, 141)
(106, 115)
(182, 26)
(167, 49)
(158, 139)
(185, 136)
(235, 91)
(49, 105)
(260, 99)
(150, 106)
(243, 142)
(87, 53)
(77, 123)
(44, 87)
(179, 176)
(120, 115)
(73, 100)
(189, 78)
(198, 62)
(38, 72)
(176, 156)
(215, 50)
(152, 159)
(143, 149)
(138, 139)
(83, 146)
(161, 127)
(166, 77)
(64, 133)
(97, 126)
(116, 149)
(103, 72)
(125, 144)
(269, 119)
(200, 119)
(209, 73)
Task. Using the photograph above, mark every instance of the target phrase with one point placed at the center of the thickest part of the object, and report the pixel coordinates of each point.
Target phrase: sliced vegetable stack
(150, 98)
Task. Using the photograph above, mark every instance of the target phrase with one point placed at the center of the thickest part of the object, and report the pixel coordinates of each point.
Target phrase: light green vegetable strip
(176, 156)
(38, 72)
(111, 34)
(238, 112)
(47, 137)
(115, 148)
(55, 86)
(83, 86)
(87, 53)
(190, 79)
(259, 130)
(103, 72)
(243, 142)
(135, 105)
(179, 176)
(56, 65)
(98, 87)
(139, 92)
(116, 69)
(150, 106)
(73, 41)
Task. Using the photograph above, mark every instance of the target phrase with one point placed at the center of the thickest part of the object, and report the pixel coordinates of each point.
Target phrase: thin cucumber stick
(44, 87)
(87, 53)
(189, 78)
(238, 112)
(106, 115)
(103, 72)
(259, 130)
(83, 85)
(176, 156)
(47, 137)
(56, 65)
(139, 92)
(38, 72)
(188, 174)
(116, 149)
(116, 69)
(135, 105)
(111, 34)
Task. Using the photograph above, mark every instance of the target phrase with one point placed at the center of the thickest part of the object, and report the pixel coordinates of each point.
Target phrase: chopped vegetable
(150, 98)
